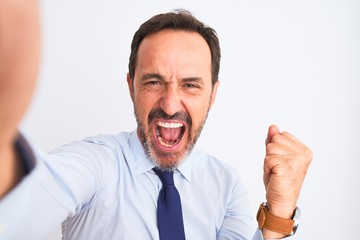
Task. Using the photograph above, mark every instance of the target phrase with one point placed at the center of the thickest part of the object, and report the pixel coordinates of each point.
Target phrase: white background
(292, 63)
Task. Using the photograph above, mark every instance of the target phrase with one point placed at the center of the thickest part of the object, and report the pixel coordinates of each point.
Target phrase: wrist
(16, 160)
(273, 226)
(281, 210)
(269, 235)
(9, 174)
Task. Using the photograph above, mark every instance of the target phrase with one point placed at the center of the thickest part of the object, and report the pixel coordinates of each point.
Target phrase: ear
(130, 86)
(213, 93)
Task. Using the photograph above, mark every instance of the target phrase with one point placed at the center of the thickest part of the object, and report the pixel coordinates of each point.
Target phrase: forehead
(168, 35)
(174, 50)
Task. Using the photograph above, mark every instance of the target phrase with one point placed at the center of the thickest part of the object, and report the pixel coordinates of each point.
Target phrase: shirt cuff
(26, 155)
(258, 236)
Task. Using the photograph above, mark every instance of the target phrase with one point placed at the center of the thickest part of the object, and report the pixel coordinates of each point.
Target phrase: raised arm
(19, 60)
(285, 166)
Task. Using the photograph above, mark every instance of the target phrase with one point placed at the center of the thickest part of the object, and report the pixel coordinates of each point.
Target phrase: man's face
(172, 94)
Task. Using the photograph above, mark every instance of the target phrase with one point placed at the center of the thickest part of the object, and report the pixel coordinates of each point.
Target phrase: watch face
(296, 218)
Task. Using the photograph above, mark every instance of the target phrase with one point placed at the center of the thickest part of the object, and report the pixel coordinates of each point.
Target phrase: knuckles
(278, 148)
(277, 138)
(289, 165)
(285, 166)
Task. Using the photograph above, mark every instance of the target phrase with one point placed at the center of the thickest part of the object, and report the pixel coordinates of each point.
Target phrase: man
(111, 186)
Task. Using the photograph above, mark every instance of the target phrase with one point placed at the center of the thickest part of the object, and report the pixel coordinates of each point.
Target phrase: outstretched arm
(19, 60)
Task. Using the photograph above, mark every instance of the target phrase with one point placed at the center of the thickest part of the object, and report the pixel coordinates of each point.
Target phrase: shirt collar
(186, 167)
(142, 164)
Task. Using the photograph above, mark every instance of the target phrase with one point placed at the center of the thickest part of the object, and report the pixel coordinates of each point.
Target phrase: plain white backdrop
(291, 63)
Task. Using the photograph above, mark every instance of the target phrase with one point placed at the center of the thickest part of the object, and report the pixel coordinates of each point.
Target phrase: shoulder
(210, 171)
(93, 148)
(108, 140)
(205, 163)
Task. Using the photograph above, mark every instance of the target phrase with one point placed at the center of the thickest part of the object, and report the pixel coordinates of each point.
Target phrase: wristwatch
(277, 224)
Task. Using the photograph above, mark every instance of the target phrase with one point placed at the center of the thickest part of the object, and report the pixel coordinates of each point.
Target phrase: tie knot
(166, 177)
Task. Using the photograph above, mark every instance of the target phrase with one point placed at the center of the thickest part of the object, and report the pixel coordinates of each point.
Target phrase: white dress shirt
(103, 187)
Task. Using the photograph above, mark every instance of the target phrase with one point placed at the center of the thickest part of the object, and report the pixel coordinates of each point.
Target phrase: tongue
(170, 134)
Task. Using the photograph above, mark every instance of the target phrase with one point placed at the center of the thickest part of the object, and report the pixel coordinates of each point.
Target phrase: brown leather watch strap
(273, 223)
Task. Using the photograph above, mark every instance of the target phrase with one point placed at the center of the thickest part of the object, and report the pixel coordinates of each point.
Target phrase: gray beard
(155, 156)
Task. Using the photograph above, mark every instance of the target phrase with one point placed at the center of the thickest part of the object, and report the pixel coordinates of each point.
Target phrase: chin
(168, 161)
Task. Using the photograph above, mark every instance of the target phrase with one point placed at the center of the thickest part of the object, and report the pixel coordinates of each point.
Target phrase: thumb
(273, 130)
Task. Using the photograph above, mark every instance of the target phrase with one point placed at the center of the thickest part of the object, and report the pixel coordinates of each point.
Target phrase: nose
(170, 100)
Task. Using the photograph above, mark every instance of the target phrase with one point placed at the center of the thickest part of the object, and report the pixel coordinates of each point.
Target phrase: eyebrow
(152, 75)
(193, 79)
(162, 78)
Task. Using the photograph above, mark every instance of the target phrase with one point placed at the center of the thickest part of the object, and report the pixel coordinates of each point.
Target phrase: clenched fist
(285, 166)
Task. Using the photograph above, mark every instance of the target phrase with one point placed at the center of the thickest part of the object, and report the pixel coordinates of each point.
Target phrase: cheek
(140, 110)
(197, 109)
(143, 105)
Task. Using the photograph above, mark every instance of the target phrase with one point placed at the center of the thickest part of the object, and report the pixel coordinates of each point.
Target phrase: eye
(152, 83)
(191, 85)
(191, 88)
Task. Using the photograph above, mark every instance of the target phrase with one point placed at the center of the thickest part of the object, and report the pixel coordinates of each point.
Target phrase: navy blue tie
(169, 213)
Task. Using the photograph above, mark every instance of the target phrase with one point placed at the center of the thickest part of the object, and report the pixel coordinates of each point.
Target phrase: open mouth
(169, 134)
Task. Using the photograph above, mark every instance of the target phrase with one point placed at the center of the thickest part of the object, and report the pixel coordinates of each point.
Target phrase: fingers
(285, 156)
(285, 166)
(286, 149)
(273, 130)
(282, 143)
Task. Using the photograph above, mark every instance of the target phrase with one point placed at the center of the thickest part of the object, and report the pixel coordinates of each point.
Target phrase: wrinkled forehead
(175, 50)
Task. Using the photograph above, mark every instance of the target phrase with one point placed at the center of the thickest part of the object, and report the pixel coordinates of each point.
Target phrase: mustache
(159, 113)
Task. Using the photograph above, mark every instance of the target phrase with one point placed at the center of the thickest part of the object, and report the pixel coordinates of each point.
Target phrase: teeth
(167, 144)
(170, 124)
